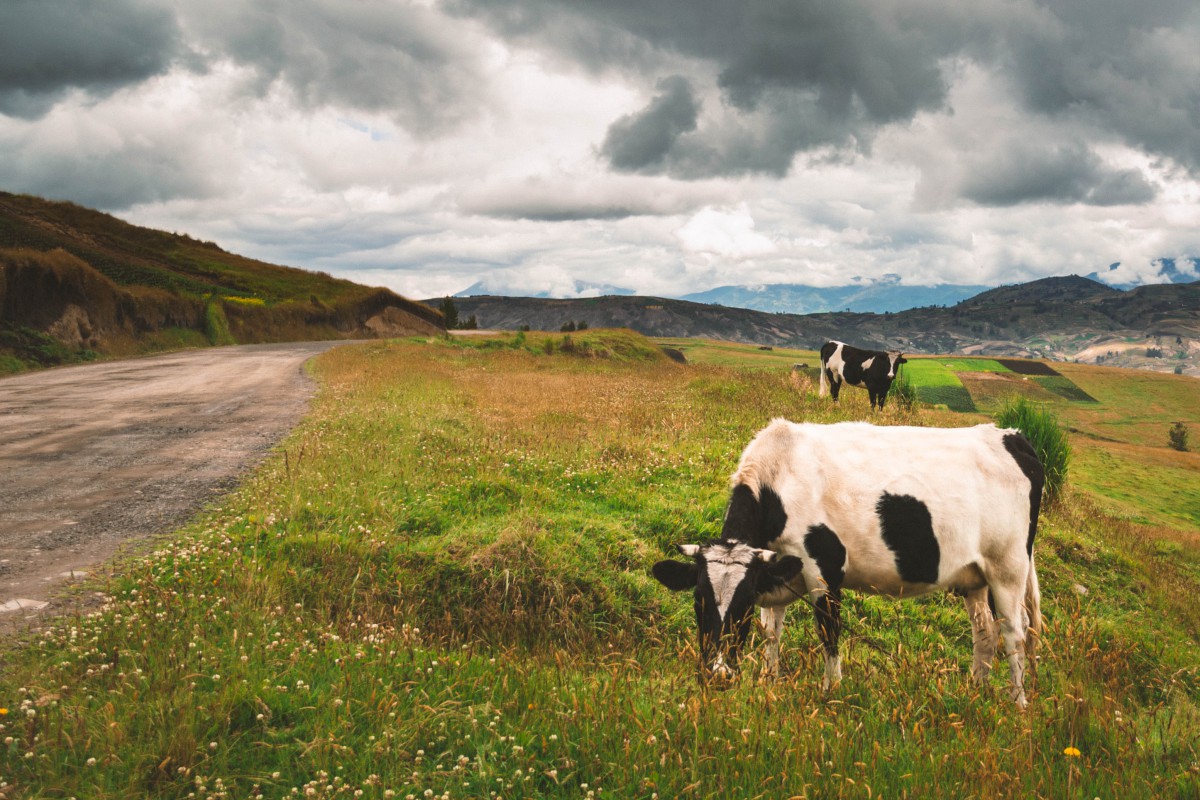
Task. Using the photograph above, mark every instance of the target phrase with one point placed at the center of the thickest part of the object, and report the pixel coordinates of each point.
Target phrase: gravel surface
(94, 457)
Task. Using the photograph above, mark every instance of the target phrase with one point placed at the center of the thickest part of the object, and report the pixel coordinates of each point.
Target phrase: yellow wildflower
(1071, 752)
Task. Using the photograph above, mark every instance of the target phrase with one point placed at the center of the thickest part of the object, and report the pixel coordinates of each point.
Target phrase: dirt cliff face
(58, 295)
(61, 295)
(391, 323)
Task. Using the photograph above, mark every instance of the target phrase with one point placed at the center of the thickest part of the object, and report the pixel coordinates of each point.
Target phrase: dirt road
(94, 456)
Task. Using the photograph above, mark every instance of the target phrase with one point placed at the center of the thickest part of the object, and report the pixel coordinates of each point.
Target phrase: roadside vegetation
(439, 587)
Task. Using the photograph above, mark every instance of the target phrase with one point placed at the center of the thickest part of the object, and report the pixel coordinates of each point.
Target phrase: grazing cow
(898, 511)
(873, 369)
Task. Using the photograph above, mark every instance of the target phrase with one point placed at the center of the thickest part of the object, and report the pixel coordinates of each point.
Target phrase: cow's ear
(676, 575)
(901, 360)
(780, 570)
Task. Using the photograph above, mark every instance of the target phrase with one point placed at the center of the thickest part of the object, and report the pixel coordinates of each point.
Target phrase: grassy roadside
(439, 587)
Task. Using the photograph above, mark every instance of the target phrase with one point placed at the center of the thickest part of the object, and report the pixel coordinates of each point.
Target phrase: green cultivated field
(439, 587)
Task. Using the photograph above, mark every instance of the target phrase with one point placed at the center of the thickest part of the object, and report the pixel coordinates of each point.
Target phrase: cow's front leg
(772, 621)
(983, 631)
(828, 608)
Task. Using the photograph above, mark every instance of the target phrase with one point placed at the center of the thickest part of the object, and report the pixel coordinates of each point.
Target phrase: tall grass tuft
(1048, 438)
(216, 325)
(902, 391)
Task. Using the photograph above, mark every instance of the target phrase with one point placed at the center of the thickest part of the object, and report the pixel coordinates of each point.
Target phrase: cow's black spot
(756, 521)
(907, 530)
(823, 545)
(774, 518)
(1031, 466)
(741, 516)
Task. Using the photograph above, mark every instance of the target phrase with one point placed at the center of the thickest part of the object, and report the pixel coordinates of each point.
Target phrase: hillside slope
(75, 282)
(1064, 319)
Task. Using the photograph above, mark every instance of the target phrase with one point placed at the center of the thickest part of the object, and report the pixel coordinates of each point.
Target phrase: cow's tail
(1033, 611)
(824, 385)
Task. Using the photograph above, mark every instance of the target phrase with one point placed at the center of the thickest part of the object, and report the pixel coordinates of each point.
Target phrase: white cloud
(727, 233)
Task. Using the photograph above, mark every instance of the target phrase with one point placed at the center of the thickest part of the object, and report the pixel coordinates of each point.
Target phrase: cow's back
(850, 476)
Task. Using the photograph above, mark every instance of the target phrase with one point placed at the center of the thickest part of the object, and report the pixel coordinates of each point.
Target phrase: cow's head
(729, 578)
(895, 359)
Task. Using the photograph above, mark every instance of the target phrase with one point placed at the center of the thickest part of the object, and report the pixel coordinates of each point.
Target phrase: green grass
(440, 583)
(733, 354)
(937, 384)
(1063, 387)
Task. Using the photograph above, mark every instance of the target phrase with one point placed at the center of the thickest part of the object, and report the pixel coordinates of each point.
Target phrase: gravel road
(94, 456)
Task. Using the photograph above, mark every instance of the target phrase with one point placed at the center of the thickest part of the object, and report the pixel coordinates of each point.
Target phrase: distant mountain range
(1069, 318)
(1168, 270)
(876, 296)
(794, 298)
(790, 298)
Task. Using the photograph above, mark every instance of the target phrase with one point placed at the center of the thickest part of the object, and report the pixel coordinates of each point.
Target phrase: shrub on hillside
(1177, 438)
(1048, 438)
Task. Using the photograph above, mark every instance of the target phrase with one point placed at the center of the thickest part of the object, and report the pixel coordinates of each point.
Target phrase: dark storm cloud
(641, 141)
(807, 74)
(849, 51)
(800, 74)
(1030, 173)
(1132, 68)
(50, 46)
(374, 55)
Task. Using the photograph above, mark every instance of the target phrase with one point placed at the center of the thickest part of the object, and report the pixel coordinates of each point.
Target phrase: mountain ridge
(1153, 326)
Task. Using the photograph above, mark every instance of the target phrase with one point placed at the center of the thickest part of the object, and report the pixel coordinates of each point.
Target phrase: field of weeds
(439, 587)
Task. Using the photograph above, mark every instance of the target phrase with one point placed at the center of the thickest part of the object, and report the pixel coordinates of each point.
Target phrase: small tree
(471, 324)
(1177, 438)
(568, 327)
(582, 326)
(450, 312)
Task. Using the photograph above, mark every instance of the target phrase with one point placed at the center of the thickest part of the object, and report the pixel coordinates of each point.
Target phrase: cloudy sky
(664, 146)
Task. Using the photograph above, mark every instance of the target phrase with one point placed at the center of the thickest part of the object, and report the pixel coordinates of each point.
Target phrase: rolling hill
(1064, 319)
(75, 283)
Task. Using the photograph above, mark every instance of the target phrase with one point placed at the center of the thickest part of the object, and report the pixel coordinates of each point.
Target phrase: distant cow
(874, 369)
(897, 511)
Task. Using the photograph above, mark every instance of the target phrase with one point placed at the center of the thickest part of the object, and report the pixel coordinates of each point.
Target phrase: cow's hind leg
(1008, 599)
(828, 608)
(772, 620)
(983, 632)
(835, 386)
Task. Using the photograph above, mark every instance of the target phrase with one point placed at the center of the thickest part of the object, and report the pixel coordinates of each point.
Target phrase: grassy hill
(75, 283)
(466, 611)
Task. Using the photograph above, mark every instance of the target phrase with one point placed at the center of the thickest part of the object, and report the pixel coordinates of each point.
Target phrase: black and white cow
(898, 511)
(874, 369)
